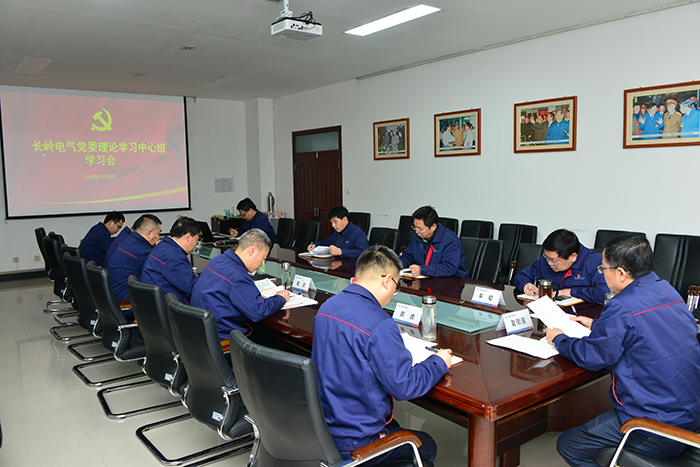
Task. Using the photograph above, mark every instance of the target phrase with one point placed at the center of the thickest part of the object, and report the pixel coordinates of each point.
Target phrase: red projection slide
(68, 152)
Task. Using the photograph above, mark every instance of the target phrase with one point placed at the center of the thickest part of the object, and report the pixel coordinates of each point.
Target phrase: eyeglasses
(600, 268)
(419, 229)
(552, 261)
(398, 287)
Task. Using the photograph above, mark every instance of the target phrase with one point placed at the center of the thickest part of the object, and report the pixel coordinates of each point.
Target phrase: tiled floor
(49, 416)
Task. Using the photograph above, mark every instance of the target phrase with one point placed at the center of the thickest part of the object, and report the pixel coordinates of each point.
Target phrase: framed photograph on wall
(458, 133)
(546, 125)
(391, 139)
(662, 116)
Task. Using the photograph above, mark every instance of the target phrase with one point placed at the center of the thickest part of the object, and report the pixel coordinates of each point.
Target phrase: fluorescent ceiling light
(408, 14)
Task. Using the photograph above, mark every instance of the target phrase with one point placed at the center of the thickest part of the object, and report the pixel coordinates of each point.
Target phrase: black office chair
(602, 236)
(40, 233)
(478, 229)
(677, 260)
(449, 223)
(482, 257)
(52, 248)
(119, 335)
(405, 232)
(384, 236)
(619, 457)
(286, 231)
(281, 392)
(527, 254)
(307, 233)
(514, 235)
(360, 219)
(211, 394)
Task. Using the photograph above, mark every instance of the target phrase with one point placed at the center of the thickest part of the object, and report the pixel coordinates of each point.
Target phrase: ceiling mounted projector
(302, 28)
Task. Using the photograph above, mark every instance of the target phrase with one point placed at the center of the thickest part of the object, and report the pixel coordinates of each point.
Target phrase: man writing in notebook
(362, 363)
(569, 265)
(253, 219)
(647, 338)
(97, 241)
(348, 240)
(434, 250)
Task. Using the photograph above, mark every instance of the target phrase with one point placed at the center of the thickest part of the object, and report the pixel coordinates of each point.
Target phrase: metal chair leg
(53, 303)
(105, 356)
(130, 413)
(77, 369)
(54, 332)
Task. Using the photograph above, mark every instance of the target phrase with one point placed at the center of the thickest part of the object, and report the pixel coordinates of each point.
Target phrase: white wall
(599, 185)
(217, 148)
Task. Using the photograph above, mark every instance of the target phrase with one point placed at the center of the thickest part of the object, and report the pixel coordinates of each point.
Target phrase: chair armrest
(662, 429)
(127, 326)
(385, 444)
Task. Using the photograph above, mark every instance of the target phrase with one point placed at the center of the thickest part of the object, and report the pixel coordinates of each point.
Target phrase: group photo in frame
(662, 116)
(458, 133)
(546, 125)
(391, 139)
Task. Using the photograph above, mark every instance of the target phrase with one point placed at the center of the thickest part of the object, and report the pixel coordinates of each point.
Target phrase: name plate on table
(487, 296)
(516, 321)
(303, 284)
(408, 314)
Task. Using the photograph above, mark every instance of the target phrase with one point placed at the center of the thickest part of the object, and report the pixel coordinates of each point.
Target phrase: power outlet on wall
(37, 258)
(15, 259)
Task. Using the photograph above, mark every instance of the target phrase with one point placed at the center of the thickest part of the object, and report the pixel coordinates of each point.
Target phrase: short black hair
(631, 252)
(183, 226)
(146, 220)
(563, 242)
(246, 205)
(378, 258)
(114, 216)
(427, 214)
(339, 212)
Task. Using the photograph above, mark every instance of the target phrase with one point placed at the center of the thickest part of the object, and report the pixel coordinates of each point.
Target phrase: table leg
(482, 442)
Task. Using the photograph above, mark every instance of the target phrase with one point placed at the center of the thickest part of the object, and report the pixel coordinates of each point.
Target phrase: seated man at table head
(97, 241)
(362, 363)
(168, 265)
(129, 257)
(226, 289)
(253, 219)
(647, 338)
(348, 240)
(116, 241)
(434, 250)
(570, 266)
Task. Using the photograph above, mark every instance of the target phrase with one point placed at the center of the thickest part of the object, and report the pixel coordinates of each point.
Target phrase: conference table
(503, 397)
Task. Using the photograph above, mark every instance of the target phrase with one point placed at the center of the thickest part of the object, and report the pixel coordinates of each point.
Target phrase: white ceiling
(105, 44)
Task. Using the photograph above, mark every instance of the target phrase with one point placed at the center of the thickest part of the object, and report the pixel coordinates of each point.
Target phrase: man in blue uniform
(569, 265)
(690, 126)
(647, 338)
(168, 265)
(129, 257)
(348, 240)
(362, 363)
(434, 250)
(226, 289)
(116, 241)
(95, 244)
(253, 219)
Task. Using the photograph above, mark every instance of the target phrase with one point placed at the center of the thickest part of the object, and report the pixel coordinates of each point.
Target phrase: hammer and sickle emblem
(106, 125)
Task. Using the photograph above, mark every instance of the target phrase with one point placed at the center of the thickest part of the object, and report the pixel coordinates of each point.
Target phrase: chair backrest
(514, 235)
(40, 233)
(450, 223)
(602, 236)
(71, 250)
(76, 271)
(148, 305)
(58, 237)
(384, 236)
(482, 257)
(53, 254)
(677, 260)
(280, 391)
(405, 231)
(197, 342)
(360, 219)
(286, 231)
(527, 254)
(307, 233)
(478, 229)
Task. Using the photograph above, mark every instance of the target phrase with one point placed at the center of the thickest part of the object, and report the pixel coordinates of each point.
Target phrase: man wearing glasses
(362, 363)
(647, 339)
(348, 240)
(434, 250)
(569, 265)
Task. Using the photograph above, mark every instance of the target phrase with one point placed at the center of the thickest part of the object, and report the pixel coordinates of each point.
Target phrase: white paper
(418, 349)
(554, 317)
(267, 288)
(321, 250)
(539, 349)
(297, 300)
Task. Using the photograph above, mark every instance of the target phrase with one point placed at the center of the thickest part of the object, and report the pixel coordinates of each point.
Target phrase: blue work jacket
(128, 259)
(116, 241)
(260, 221)
(361, 362)
(96, 243)
(652, 126)
(352, 241)
(226, 289)
(169, 268)
(690, 124)
(583, 277)
(446, 254)
(647, 338)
